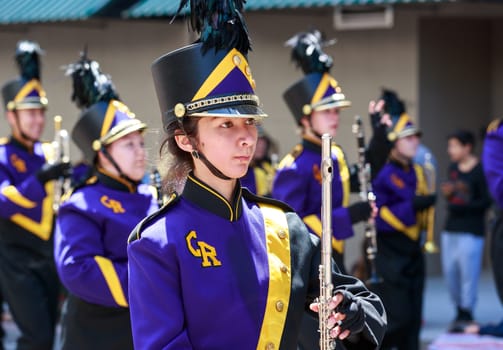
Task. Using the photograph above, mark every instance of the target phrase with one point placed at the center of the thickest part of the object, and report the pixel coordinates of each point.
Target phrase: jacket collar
(201, 194)
(115, 182)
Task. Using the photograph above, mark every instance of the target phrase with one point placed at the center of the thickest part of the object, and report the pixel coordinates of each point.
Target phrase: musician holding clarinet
(28, 278)
(403, 199)
(219, 267)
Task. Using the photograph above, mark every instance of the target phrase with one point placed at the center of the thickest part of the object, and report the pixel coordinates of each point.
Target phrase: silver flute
(325, 269)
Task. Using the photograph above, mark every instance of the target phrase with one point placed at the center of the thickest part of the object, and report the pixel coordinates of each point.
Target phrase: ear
(183, 142)
(11, 116)
(304, 122)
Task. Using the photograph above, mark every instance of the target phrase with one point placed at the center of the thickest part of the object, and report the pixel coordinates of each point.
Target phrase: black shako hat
(318, 90)
(25, 92)
(211, 77)
(104, 119)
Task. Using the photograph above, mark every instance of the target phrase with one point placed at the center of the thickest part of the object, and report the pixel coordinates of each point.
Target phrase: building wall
(365, 61)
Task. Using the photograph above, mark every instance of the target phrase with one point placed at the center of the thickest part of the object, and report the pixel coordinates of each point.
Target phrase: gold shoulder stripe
(278, 297)
(290, 157)
(343, 173)
(412, 231)
(494, 125)
(112, 279)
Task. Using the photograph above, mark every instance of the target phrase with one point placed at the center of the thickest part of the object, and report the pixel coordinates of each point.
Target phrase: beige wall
(364, 61)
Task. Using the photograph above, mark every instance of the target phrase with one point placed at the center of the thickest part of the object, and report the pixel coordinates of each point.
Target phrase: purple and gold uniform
(492, 160)
(234, 278)
(399, 260)
(90, 249)
(28, 278)
(258, 178)
(298, 183)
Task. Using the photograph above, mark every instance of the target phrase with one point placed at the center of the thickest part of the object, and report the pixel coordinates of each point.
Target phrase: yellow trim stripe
(402, 121)
(322, 88)
(278, 297)
(412, 231)
(110, 275)
(314, 223)
(109, 118)
(216, 194)
(226, 65)
(344, 174)
(42, 229)
(17, 198)
(33, 84)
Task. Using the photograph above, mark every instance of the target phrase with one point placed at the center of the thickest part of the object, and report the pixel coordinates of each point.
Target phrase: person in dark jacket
(467, 197)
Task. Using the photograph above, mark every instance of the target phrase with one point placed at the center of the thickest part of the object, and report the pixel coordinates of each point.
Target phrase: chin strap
(198, 155)
(119, 170)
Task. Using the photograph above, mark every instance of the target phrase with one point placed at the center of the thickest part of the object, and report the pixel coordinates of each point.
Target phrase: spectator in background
(463, 237)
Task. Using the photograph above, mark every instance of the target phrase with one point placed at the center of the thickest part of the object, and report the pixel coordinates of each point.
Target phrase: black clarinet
(156, 181)
(366, 194)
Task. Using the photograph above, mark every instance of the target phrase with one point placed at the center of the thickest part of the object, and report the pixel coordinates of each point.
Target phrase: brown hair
(175, 163)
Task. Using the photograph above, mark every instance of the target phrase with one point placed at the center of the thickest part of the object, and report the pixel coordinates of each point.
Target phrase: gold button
(236, 59)
(284, 269)
(279, 305)
(281, 234)
(248, 70)
(269, 346)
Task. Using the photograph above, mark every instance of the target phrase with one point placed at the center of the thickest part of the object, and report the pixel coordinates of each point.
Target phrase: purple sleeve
(81, 262)
(154, 296)
(492, 161)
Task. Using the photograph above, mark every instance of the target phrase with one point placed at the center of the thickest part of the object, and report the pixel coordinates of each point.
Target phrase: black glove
(359, 212)
(423, 202)
(50, 172)
(352, 308)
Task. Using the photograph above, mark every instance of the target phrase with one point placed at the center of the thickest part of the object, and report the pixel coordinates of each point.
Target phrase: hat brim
(240, 111)
(333, 104)
(409, 132)
(123, 131)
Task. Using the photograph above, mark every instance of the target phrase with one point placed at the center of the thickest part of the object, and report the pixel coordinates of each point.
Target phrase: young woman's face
(326, 121)
(129, 154)
(407, 146)
(456, 150)
(228, 143)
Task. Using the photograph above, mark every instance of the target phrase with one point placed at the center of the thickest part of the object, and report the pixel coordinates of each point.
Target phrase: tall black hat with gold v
(104, 118)
(318, 90)
(25, 92)
(211, 77)
(401, 124)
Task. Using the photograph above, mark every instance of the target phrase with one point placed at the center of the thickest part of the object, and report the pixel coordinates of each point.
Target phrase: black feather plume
(307, 51)
(90, 85)
(219, 23)
(27, 58)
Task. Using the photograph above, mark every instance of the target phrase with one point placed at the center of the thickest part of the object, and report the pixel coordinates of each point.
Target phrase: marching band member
(402, 197)
(258, 179)
(94, 222)
(316, 102)
(28, 278)
(218, 267)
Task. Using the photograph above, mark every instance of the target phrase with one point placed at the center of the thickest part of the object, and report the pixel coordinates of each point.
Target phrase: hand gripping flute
(366, 194)
(61, 149)
(325, 269)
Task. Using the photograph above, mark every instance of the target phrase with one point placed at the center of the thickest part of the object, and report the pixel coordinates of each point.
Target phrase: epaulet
(290, 157)
(494, 126)
(136, 233)
(266, 200)
(4, 140)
